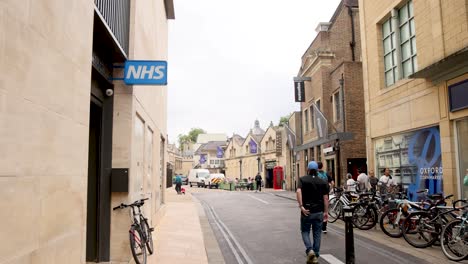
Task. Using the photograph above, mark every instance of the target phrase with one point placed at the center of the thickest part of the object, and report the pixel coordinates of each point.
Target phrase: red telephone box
(278, 176)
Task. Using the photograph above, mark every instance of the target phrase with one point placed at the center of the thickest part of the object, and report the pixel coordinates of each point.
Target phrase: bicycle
(140, 233)
(398, 209)
(454, 236)
(422, 228)
(337, 203)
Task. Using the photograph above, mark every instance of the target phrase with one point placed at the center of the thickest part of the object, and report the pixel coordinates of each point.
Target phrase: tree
(194, 132)
(283, 120)
(191, 136)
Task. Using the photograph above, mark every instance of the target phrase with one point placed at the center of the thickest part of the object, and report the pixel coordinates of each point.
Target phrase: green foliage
(194, 132)
(283, 120)
(191, 136)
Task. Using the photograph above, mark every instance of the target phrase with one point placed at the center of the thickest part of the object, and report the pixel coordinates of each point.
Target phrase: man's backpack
(323, 175)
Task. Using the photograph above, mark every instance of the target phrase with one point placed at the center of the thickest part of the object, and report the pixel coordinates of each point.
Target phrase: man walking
(326, 177)
(258, 181)
(178, 182)
(312, 196)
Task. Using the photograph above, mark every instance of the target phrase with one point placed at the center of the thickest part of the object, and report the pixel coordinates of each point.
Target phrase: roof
(257, 130)
(238, 139)
(210, 146)
(205, 138)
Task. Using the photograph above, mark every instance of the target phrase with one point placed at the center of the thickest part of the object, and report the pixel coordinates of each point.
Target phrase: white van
(198, 177)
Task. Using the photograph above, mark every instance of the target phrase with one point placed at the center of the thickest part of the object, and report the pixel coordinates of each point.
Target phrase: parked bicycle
(454, 237)
(392, 219)
(422, 228)
(139, 233)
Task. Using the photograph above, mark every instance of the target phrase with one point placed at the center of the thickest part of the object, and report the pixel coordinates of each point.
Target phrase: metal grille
(116, 13)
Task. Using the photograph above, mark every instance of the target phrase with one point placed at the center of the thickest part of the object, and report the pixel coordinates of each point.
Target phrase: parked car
(184, 180)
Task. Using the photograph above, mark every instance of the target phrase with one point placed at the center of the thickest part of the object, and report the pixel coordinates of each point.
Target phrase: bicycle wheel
(335, 209)
(364, 217)
(418, 230)
(137, 245)
(147, 231)
(454, 240)
(390, 223)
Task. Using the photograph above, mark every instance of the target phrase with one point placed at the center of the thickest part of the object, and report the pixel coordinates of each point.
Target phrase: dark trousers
(178, 187)
(259, 186)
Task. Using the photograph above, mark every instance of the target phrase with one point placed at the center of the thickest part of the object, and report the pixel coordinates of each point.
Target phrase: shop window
(462, 140)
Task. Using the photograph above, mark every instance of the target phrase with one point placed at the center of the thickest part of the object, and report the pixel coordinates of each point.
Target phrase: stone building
(332, 114)
(71, 135)
(415, 69)
(260, 151)
(211, 156)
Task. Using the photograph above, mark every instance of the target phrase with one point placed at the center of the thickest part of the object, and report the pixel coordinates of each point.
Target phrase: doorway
(269, 178)
(99, 170)
(94, 162)
(354, 165)
(331, 171)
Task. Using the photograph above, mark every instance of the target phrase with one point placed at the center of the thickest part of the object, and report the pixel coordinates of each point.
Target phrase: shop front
(414, 159)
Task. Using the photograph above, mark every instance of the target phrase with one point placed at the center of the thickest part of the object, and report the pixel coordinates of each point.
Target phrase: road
(263, 228)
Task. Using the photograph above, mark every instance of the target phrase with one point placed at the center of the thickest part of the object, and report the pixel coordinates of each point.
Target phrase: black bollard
(349, 236)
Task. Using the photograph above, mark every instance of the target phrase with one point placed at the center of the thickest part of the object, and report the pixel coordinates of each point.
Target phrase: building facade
(260, 152)
(416, 94)
(332, 114)
(211, 156)
(72, 135)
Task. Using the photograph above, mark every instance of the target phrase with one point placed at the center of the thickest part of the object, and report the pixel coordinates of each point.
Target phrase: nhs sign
(145, 72)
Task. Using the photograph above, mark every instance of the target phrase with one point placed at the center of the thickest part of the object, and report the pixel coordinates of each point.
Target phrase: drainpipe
(352, 44)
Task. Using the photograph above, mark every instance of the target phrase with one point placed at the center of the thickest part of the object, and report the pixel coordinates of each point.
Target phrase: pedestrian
(350, 183)
(386, 182)
(373, 181)
(258, 181)
(363, 184)
(178, 184)
(329, 180)
(312, 196)
(249, 184)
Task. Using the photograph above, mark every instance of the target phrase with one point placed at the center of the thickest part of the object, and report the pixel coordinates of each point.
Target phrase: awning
(332, 137)
(447, 68)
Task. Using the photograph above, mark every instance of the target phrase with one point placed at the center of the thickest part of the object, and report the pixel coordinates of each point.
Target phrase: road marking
(258, 199)
(241, 249)
(331, 259)
(234, 251)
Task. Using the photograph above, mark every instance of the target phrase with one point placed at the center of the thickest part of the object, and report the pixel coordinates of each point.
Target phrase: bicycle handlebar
(137, 203)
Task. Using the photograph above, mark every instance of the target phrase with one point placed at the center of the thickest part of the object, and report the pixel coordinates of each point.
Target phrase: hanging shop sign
(137, 72)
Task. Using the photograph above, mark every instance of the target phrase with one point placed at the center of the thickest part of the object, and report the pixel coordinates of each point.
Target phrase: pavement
(179, 236)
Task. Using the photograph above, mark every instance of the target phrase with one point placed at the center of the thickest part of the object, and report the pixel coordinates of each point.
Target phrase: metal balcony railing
(116, 13)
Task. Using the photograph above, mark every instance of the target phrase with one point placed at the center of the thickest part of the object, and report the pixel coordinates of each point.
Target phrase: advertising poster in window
(414, 160)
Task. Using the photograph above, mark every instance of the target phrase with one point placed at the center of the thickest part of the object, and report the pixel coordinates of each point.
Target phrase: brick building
(415, 69)
(333, 64)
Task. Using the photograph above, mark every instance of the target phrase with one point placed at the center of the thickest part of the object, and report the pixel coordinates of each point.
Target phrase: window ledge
(395, 86)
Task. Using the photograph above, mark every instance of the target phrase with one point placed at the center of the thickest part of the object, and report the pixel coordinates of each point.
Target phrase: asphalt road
(257, 228)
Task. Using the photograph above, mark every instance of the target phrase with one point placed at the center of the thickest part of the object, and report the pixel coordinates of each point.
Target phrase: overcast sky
(233, 61)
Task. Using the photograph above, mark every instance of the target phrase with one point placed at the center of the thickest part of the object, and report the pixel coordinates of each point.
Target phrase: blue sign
(253, 146)
(202, 158)
(145, 72)
(219, 153)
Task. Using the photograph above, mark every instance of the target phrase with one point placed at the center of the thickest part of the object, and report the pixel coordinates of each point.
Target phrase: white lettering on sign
(145, 72)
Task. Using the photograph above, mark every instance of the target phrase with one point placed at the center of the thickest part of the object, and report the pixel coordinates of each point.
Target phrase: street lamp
(240, 168)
